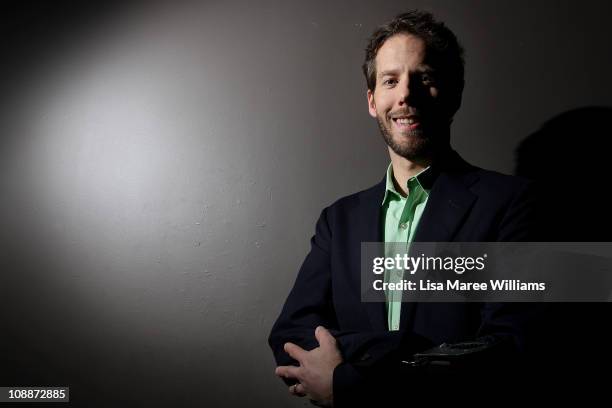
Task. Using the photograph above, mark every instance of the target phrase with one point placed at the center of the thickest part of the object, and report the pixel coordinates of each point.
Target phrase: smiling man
(338, 350)
(404, 96)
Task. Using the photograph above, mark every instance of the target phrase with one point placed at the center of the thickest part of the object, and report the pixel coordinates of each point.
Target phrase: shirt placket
(404, 226)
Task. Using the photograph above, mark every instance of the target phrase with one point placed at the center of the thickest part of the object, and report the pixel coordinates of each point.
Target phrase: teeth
(405, 121)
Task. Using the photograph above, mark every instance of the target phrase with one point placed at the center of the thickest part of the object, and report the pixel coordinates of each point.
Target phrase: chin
(414, 149)
(415, 135)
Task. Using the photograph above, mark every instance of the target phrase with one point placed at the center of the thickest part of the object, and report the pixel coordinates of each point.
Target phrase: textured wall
(162, 167)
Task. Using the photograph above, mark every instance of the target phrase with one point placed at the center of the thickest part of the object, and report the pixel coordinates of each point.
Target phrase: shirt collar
(425, 178)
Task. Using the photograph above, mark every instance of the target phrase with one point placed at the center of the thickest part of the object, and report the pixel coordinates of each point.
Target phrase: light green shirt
(400, 218)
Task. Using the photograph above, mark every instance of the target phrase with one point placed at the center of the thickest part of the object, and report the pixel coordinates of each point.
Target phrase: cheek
(384, 102)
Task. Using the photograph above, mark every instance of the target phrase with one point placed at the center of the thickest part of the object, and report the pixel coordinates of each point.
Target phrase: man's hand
(316, 369)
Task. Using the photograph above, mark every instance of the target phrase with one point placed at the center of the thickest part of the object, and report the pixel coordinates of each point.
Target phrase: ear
(371, 103)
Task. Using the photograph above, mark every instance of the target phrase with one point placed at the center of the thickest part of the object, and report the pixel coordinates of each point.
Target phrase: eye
(389, 81)
(427, 79)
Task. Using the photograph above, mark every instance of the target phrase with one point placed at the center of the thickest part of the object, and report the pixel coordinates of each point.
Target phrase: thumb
(324, 337)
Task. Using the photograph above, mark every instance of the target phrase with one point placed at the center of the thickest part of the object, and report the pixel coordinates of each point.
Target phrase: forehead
(401, 51)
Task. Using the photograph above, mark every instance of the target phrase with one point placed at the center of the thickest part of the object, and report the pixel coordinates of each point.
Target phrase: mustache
(405, 112)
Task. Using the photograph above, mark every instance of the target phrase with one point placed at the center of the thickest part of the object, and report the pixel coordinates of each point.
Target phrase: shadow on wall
(569, 158)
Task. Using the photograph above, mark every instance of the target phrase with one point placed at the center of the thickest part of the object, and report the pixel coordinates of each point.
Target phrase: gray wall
(162, 167)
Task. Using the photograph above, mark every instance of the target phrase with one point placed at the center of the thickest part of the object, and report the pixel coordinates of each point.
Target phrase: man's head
(414, 71)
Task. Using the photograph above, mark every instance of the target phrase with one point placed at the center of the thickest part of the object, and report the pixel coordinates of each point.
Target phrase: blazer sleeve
(309, 302)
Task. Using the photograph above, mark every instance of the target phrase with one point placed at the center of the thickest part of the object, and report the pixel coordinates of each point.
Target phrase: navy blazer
(466, 204)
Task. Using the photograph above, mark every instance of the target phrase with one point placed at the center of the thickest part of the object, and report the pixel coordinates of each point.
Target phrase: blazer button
(365, 357)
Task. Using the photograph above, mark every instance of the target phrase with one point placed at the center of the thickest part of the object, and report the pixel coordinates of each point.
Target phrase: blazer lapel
(448, 204)
(450, 200)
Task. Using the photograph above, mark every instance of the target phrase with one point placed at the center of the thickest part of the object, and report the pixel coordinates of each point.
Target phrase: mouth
(405, 123)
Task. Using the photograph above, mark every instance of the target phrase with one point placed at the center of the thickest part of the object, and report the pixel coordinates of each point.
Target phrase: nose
(411, 92)
(405, 92)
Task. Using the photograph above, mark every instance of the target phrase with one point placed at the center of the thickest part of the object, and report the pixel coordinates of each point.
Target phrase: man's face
(405, 101)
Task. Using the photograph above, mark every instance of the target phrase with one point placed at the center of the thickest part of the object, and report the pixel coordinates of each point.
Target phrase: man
(331, 346)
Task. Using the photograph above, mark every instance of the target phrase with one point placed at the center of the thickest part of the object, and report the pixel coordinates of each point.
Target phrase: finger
(298, 390)
(295, 351)
(287, 371)
(324, 337)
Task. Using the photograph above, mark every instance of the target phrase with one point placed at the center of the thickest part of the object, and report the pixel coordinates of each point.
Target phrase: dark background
(162, 165)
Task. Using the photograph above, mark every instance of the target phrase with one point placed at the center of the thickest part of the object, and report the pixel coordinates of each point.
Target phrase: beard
(413, 145)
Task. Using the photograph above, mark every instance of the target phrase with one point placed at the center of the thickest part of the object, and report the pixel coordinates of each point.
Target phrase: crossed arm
(314, 375)
(318, 361)
(329, 364)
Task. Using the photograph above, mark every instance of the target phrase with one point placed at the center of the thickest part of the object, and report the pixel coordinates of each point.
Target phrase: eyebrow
(422, 70)
(388, 72)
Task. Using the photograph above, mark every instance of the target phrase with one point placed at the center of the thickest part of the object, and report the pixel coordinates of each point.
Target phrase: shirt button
(396, 326)
(403, 225)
